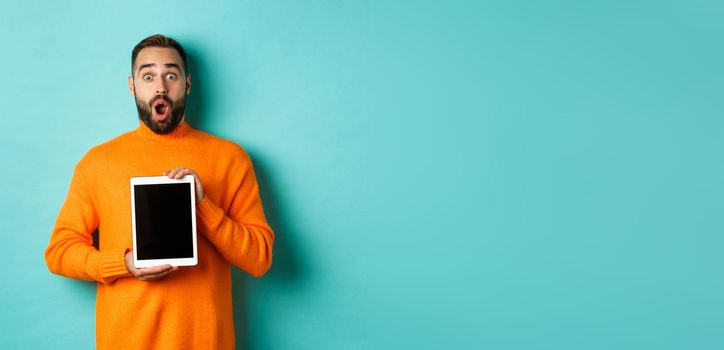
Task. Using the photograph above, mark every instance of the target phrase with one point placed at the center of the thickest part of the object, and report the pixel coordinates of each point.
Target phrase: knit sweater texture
(190, 308)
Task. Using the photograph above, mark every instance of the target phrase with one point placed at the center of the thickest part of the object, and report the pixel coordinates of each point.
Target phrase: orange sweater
(190, 308)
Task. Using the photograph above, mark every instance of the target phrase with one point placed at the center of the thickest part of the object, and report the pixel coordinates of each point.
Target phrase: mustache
(160, 97)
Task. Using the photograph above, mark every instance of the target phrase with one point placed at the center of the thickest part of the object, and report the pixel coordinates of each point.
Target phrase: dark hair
(158, 40)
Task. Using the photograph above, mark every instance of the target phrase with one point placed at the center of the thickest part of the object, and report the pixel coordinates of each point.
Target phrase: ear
(131, 89)
(188, 84)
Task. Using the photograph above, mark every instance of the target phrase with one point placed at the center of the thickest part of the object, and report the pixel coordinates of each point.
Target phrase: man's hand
(181, 172)
(149, 273)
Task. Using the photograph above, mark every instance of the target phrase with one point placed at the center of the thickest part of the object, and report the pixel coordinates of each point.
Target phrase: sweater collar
(181, 130)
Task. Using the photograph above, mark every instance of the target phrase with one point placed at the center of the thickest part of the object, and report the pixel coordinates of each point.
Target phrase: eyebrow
(168, 65)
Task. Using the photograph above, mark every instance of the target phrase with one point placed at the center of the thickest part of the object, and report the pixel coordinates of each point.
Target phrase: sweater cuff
(208, 215)
(113, 264)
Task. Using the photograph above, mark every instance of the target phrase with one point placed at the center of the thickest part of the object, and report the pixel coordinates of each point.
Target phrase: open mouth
(160, 109)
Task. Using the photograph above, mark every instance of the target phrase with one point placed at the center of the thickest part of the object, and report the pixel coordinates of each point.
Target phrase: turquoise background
(457, 175)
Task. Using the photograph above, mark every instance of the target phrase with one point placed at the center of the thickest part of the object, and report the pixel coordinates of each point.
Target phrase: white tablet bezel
(152, 180)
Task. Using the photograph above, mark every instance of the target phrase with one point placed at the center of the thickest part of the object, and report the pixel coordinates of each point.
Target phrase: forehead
(159, 56)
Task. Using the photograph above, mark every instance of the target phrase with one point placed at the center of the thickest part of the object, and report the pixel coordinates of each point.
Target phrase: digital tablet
(163, 214)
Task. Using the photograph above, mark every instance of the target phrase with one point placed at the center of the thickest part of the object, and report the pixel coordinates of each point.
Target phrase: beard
(167, 125)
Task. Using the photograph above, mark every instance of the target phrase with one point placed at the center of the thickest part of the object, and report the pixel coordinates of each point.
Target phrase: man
(162, 307)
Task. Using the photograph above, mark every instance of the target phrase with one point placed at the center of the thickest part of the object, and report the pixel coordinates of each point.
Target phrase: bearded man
(161, 307)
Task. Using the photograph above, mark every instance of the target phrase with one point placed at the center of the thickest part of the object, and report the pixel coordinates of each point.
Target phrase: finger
(183, 172)
(173, 172)
(156, 276)
(148, 271)
(162, 274)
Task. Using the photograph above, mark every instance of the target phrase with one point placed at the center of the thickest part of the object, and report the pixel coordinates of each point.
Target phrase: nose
(161, 88)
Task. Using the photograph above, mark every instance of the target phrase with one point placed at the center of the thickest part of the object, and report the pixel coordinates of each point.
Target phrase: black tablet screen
(163, 221)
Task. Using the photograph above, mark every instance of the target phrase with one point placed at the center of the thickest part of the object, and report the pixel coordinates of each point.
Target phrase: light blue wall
(458, 175)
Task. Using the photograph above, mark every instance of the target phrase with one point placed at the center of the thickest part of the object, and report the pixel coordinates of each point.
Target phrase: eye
(147, 77)
(171, 76)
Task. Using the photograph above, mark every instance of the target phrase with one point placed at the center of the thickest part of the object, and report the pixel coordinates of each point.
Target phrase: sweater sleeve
(241, 234)
(70, 252)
